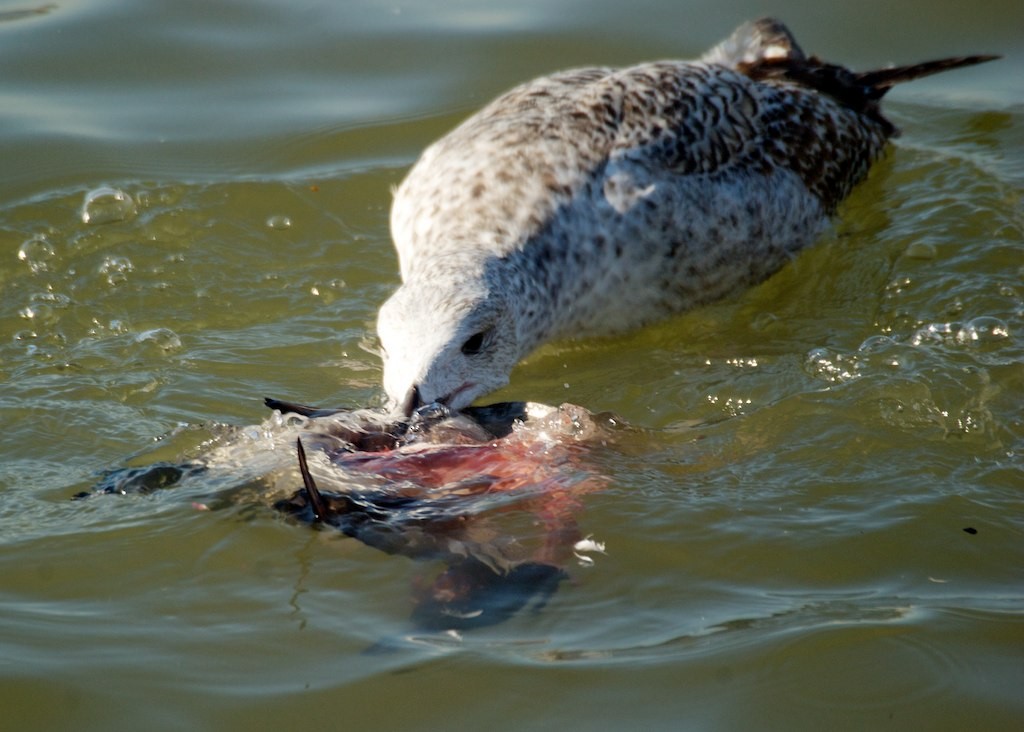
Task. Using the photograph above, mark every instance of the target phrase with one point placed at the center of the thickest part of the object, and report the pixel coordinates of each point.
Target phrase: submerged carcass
(457, 488)
(492, 493)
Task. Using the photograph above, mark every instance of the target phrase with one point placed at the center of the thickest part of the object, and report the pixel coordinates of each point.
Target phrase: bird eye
(474, 344)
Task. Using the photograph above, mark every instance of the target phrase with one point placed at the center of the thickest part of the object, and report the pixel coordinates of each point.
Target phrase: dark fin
(290, 408)
(320, 511)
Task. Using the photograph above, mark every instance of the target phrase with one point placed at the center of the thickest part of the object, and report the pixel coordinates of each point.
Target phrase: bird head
(447, 340)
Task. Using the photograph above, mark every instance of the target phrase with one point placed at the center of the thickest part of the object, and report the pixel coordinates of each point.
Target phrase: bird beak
(412, 402)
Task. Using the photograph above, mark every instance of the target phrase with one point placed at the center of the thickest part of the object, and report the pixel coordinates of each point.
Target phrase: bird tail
(765, 50)
(767, 47)
(882, 80)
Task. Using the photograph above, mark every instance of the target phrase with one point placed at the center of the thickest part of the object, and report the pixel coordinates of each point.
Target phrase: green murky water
(786, 529)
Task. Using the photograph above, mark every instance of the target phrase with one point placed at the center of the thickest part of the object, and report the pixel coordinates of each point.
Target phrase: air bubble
(279, 222)
(37, 253)
(106, 205)
(163, 338)
(821, 363)
(984, 329)
(876, 343)
(116, 269)
(935, 333)
(33, 313)
(56, 299)
(920, 250)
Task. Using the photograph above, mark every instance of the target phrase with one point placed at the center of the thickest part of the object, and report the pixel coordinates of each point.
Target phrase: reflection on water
(194, 217)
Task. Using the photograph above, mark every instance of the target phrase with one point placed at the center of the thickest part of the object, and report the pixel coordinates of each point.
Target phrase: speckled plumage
(598, 200)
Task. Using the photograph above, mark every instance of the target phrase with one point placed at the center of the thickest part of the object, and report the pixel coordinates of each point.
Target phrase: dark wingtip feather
(301, 409)
(315, 499)
(859, 91)
(884, 79)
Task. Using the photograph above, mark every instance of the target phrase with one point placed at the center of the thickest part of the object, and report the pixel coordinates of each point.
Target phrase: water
(194, 215)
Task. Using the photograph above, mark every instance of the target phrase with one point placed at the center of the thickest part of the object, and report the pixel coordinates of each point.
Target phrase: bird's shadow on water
(492, 496)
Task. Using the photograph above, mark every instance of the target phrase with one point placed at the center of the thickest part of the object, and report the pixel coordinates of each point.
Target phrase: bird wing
(708, 119)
